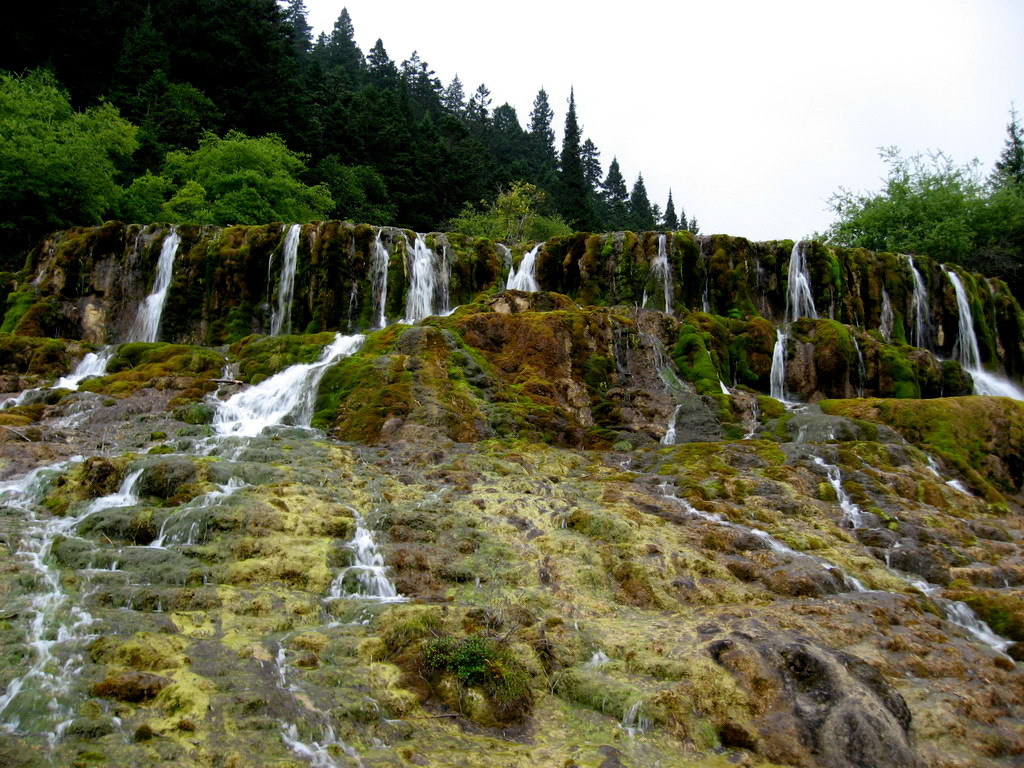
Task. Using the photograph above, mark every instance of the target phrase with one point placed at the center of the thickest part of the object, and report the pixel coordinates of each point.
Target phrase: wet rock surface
(486, 556)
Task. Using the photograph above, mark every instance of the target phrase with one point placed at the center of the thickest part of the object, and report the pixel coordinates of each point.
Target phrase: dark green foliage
(670, 220)
(641, 216)
(486, 664)
(573, 196)
(614, 199)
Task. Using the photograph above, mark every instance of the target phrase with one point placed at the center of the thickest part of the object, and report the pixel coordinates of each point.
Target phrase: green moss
(487, 665)
(18, 303)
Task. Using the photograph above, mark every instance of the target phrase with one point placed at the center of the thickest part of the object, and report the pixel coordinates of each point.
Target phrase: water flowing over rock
(287, 395)
(281, 319)
(523, 279)
(967, 352)
(678, 500)
(147, 321)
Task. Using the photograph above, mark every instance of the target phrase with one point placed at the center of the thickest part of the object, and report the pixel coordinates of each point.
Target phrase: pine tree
(615, 197)
(454, 97)
(342, 52)
(591, 164)
(382, 70)
(479, 104)
(641, 217)
(1009, 171)
(542, 159)
(670, 221)
(302, 33)
(573, 200)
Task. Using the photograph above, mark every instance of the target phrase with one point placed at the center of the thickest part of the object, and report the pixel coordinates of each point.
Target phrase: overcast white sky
(752, 112)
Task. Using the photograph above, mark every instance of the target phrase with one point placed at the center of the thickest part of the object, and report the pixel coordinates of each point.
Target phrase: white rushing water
(523, 279)
(423, 272)
(379, 274)
(281, 318)
(670, 431)
(173, 529)
(634, 722)
(862, 370)
(367, 577)
(800, 298)
(58, 626)
(919, 307)
(93, 364)
(887, 318)
(289, 394)
(852, 514)
(660, 275)
(967, 353)
(777, 375)
(147, 321)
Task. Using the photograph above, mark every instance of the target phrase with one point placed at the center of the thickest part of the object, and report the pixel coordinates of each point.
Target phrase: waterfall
(966, 349)
(670, 432)
(886, 321)
(800, 299)
(423, 269)
(633, 722)
(281, 318)
(777, 377)
(862, 371)
(289, 394)
(851, 512)
(125, 496)
(367, 571)
(523, 279)
(147, 320)
(93, 364)
(919, 307)
(379, 274)
(58, 626)
(660, 273)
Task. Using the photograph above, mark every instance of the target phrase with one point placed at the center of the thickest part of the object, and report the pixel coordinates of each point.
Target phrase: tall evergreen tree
(641, 217)
(543, 159)
(479, 104)
(572, 199)
(381, 70)
(302, 33)
(1009, 171)
(342, 50)
(670, 221)
(591, 165)
(454, 97)
(615, 197)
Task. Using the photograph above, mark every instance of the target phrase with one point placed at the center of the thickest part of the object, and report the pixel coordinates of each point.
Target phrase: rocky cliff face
(565, 527)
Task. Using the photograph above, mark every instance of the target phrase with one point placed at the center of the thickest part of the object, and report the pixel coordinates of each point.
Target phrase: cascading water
(800, 298)
(777, 375)
(147, 321)
(281, 318)
(849, 582)
(180, 514)
(379, 274)
(862, 371)
(38, 699)
(919, 307)
(967, 353)
(523, 279)
(367, 577)
(886, 320)
(670, 432)
(851, 512)
(93, 364)
(289, 394)
(660, 274)
(423, 269)
(799, 303)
